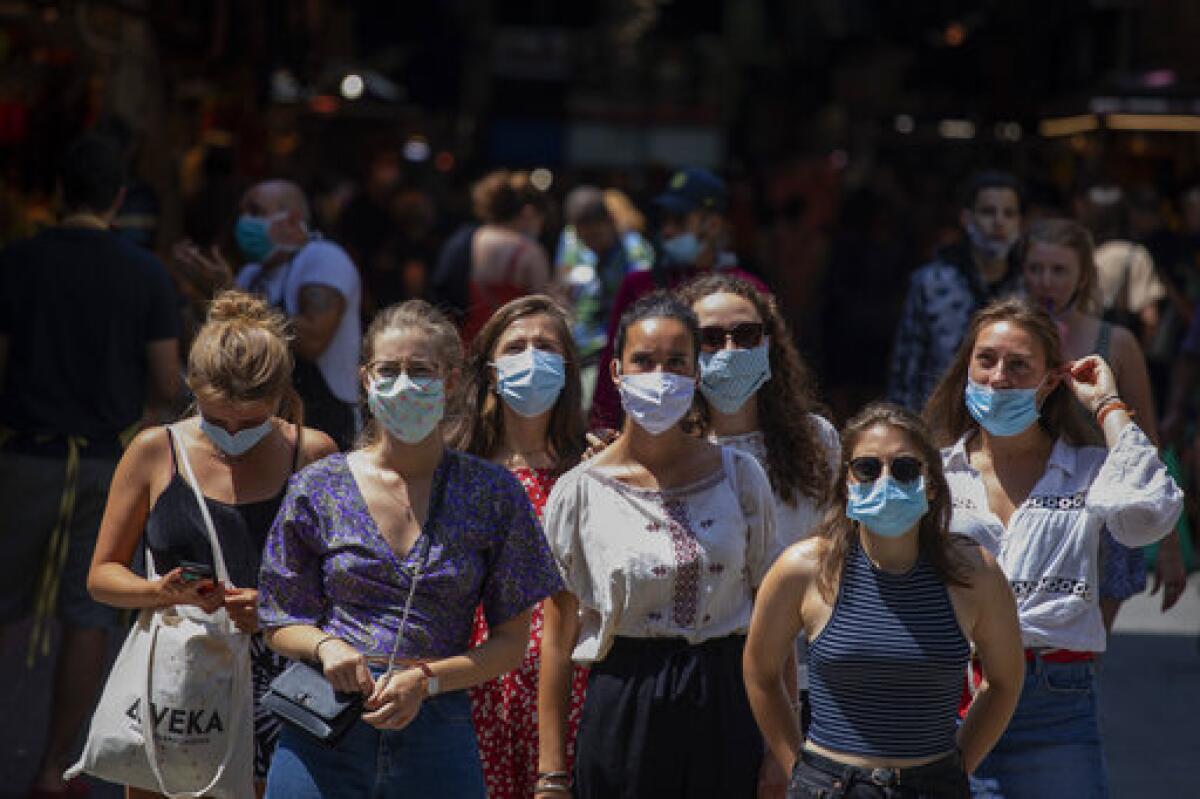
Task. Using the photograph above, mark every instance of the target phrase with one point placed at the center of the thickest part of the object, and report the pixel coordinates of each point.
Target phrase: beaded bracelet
(1109, 408)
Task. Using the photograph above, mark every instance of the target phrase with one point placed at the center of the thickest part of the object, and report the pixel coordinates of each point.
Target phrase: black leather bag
(302, 697)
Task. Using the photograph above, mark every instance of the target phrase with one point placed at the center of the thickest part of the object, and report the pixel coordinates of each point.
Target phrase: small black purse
(302, 697)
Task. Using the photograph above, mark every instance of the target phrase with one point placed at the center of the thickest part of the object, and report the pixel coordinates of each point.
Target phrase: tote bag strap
(239, 679)
(236, 720)
(214, 542)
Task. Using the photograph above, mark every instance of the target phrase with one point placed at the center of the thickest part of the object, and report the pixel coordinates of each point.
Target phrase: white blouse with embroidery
(797, 519)
(1050, 551)
(680, 563)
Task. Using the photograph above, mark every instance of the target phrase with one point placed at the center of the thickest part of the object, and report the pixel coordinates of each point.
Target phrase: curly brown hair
(480, 429)
(838, 533)
(797, 459)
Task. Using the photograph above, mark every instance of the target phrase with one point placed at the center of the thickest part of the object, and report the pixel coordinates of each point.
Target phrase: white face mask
(656, 401)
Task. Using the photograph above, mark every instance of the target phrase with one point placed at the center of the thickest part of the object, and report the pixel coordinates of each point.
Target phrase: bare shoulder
(802, 560)
(316, 445)
(1124, 348)
(148, 454)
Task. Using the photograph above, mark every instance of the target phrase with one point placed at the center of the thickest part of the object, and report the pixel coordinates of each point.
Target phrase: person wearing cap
(693, 238)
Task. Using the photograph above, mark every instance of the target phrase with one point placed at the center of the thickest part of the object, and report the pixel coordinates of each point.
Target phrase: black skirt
(663, 717)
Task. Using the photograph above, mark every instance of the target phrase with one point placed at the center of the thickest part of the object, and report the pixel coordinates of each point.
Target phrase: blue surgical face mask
(253, 236)
(885, 507)
(728, 378)
(529, 382)
(682, 250)
(407, 409)
(235, 444)
(1002, 411)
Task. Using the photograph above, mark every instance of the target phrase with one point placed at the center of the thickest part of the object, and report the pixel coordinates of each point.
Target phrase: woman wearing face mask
(243, 444)
(890, 603)
(522, 411)
(1059, 271)
(760, 400)
(401, 522)
(663, 539)
(1026, 488)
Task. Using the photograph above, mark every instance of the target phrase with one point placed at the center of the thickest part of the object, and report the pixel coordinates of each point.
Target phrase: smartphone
(194, 572)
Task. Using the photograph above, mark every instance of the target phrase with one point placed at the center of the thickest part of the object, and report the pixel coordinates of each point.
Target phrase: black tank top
(175, 529)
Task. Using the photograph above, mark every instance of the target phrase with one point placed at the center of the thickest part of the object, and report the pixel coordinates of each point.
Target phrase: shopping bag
(176, 715)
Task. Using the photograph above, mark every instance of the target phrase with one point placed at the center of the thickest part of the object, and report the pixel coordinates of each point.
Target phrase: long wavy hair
(839, 533)
(946, 412)
(480, 429)
(797, 462)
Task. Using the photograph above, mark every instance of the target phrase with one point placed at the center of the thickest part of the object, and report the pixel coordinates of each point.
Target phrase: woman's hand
(172, 589)
(345, 667)
(242, 606)
(396, 701)
(1091, 380)
(598, 441)
(1170, 573)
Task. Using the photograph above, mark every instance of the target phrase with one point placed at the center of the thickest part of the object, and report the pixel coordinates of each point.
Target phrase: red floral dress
(505, 709)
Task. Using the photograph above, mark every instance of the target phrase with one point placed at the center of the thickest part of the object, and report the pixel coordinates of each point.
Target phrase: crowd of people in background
(575, 521)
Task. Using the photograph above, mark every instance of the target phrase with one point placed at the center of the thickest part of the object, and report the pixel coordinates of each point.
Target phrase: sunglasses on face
(745, 335)
(904, 469)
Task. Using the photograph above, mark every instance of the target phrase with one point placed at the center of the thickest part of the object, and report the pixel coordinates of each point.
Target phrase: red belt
(1059, 656)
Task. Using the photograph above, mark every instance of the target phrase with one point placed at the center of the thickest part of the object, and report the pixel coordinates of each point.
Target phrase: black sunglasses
(904, 469)
(745, 335)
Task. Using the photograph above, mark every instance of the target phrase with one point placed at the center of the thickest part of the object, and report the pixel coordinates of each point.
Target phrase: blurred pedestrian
(1026, 486)
(89, 337)
(943, 294)
(522, 411)
(481, 268)
(693, 238)
(244, 441)
(893, 606)
(1129, 285)
(593, 257)
(313, 281)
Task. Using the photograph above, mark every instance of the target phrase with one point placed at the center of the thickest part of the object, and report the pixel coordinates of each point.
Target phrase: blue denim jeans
(435, 755)
(1052, 745)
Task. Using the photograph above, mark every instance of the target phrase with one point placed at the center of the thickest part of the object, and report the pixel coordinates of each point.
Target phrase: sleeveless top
(886, 673)
(175, 529)
(484, 299)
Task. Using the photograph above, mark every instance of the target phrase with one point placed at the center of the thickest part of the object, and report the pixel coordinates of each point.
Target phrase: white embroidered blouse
(795, 520)
(645, 563)
(1050, 551)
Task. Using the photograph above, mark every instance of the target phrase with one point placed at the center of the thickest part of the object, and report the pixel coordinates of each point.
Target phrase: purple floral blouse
(327, 564)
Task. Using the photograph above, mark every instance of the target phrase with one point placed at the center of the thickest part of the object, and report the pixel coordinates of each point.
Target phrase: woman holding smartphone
(244, 442)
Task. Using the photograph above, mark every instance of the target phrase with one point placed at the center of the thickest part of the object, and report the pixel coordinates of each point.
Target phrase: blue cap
(691, 189)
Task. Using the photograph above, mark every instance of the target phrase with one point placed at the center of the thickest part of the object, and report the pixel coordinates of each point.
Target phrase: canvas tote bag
(185, 675)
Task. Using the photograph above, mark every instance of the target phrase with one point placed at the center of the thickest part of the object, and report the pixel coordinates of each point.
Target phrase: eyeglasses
(420, 373)
(744, 334)
(904, 469)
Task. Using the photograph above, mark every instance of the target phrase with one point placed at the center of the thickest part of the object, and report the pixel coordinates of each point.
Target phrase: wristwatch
(431, 681)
